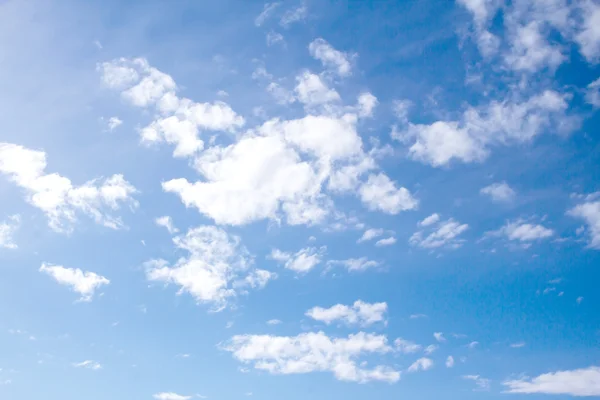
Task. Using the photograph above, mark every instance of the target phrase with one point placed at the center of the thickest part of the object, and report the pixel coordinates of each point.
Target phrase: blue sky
(356, 200)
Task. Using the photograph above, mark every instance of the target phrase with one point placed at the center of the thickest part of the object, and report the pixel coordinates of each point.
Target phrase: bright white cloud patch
(442, 234)
(302, 261)
(312, 91)
(386, 242)
(7, 230)
(366, 104)
(314, 352)
(57, 197)
(355, 264)
(114, 123)
(88, 364)
(215, 266)
(380, 193)
(360, 313)
(83, 282)
(170, 396)
(499, 192)
(439, 336)
(449, 362)
(578, 382)
(167, 223)
(592, 95)
(331, 58)
(422, 364)
(432, 219)
(406, 346)
(524, 232)
(589, 211)
(370, 234)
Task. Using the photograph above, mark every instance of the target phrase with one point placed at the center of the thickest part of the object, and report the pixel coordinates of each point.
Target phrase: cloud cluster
(578, 382)
(359, 313)
(83, 282)
(441, 233)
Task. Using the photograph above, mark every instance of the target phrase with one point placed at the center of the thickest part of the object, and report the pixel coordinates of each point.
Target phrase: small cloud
(418, 316)
(273, 322)
(482, 384)
(517, 345)
(439, 336)
(499, 192)
(88, 364)
(113, 123)
(450, 362)
(422, 364)
(473, 345)
(579, 300)
(386, 242)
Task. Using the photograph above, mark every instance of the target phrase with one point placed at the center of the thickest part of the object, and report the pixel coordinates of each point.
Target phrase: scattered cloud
(522, 231)
(370, 234)
(422, 364)
(85, 283)
(589, 211)
(167, 223)
(380, 193)
(170, 396)
(480, 383)
(274, 38)
(449, 362)
(294, 15)
(333, 59)
(432, 348)
(499, 192)
(302, 261)
(273, 322)
(439, 336)
(56, 196)
(113, 123)
(7, 230)
(579, 382)
(314, 352)
(355, 264)
(517, 345)
(432, 219)
(88, 364)
(386, 242)
(266, 13)
(360, 313)
(444, 234)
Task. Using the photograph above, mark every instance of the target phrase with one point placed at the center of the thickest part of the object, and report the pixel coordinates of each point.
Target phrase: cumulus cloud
(170, 396)
(386, 242)
(422, 364)
(439, 336)
(370, 234)
(579, 382)
(333, 59)
(113, 123)
(57, 197)
(499, 192)
(406, 346)
(7, 230)
(592, 95)
(449, 362)
(302, 261)
(314, 352)
(88, 364)
(589, 211)
(355, 264)
(432, 219)
(83, 282)
(312, 91)
(380, 193)
(442, 234)
(523, 232)
(167, 223)
(216, 265)
(360, 313)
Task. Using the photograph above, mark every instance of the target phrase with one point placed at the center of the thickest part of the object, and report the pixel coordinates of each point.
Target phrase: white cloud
(355, 264)
(432, 219)
(517, 345)
(449, 362)
(302, 261)
(216, 265)
(170, 396)
(589, 211)
(579, 382)
(406, 346)
(370, 234)
(530, 51)
(439, 336)
(7, 230)
(267, 11)
(366, 104)
(589, 36)
(314, 352)
(180, 120)
(422, 364)
(418, 316)
(381, 193)
(386, 242)
(481, 383)
(167, 223)
(497, 123)
(274, 37)
(84, 283)
(579, 300)
(499, 192)
(114, 123)
(592, 95)
(444, 234)
(360, 313)
(273, 322)
(472, 345)
(293, 16)
(88, 364)
(331, 58)
(312, 91)
(56, 196)
(432, 348)
(524, 232)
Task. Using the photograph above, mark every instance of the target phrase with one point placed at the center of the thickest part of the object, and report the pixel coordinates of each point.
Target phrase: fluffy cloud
(499, 192)
(406, 346)
(497, 123)
(386, 242)
(524, 232)
(215, 266)
(167, 223)
(267, 11)
(302, 261)
(57, 197)
(294, 15)
(444, 234)
(370, 234)
(422, 364)
(366, 104)
(88, 364)
(588, 37)
(380, 193)
(432, 219)
(331, 58)
(314, 352)
(589, 211)
(7, 229)
(578, 382)
(449, 362)
(355, 264)
(170, 396)
(179, 120)
(360, 313)
(312, 91)
(592, 95)
(114, 123)
(84, 283)
(480, 383)
(439, 336)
